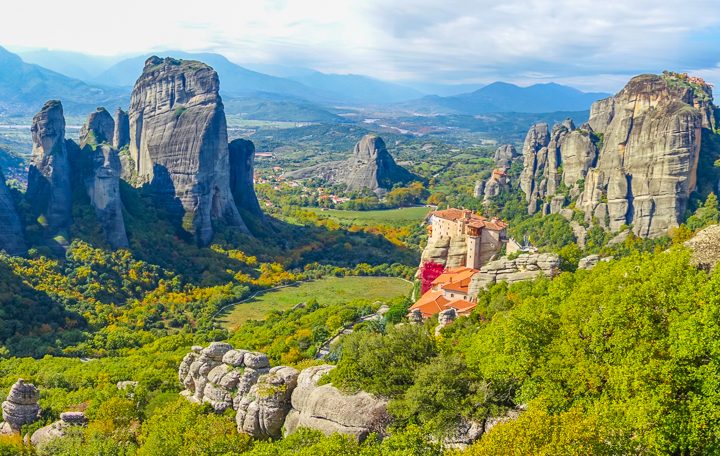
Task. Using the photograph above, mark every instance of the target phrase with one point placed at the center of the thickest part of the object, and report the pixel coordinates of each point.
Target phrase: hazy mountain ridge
(506, 97)
(24, 87)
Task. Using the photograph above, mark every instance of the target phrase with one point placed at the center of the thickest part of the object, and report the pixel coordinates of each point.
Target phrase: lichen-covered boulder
(329, 410)
(58, 429)
(261, 412)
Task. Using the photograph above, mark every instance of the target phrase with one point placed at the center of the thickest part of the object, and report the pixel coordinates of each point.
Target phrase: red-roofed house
(450, 289)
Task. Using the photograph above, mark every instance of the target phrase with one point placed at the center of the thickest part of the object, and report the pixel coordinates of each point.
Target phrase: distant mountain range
(504, 97)
(84, 82)
(25, 87)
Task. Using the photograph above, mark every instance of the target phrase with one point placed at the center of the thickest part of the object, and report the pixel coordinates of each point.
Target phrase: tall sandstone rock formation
(634, 163)
(99, 128)
(179, 143)
(121, 135)
(97, 165)
(242, 158)
(49, 191)
(370, 166)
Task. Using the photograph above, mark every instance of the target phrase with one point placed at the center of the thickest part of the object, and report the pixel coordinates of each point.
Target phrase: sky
(592, 45)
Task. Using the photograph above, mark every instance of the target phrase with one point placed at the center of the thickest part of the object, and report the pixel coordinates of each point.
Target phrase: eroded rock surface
(526, 266)
(121, 135)
(179, 144)
(98, 129)
(58, 429)
(261, 412)
(370, 166)
(98, 165)
(505, 155)
(218, 374)
(21, 405)
(328, 410)
(705, 247)
(634, 163)
(270, 400)
(49, 190)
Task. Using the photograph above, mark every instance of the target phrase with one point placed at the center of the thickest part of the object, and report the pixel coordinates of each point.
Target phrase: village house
(449, 290)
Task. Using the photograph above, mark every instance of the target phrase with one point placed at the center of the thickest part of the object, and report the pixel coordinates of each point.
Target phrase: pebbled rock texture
(526, 266)
(21, 405)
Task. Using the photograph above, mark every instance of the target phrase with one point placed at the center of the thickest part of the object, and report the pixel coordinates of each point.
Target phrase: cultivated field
(397, 217)
(327, 291)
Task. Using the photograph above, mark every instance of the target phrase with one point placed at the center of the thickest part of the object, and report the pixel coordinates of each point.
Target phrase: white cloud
(433, 40)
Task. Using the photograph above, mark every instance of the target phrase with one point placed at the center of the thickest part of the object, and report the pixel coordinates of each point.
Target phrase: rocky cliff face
(242, 158)
(121, 135)
(370, 166)
(97, 165)
(268, 400)
(179, 143)
(647, 167)
(12, 239)
(524, 267)
(555, 161)
(49, 190)
(99, 128)
(634, 163)
(505, 155)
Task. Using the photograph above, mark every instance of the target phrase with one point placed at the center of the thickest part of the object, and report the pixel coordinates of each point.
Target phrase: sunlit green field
(327, 291)
(397, 217)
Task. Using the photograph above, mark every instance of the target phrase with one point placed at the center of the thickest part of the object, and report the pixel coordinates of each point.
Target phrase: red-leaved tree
(428, 272)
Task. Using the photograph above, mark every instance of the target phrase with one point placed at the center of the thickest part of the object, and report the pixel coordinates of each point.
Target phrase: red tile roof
(471, 218)
(431, 303)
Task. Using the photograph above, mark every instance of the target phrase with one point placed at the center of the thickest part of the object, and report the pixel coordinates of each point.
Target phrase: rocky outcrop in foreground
(705, 247)
(49, 190)
(268, 400)
(526, 266)
(328, 410)
(179, 144)
(20, 407)
(370, 166)
(58, 429)
(634, 163)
